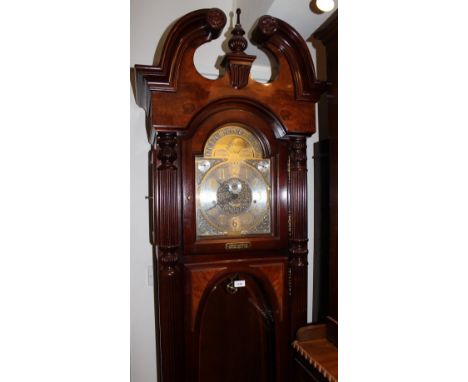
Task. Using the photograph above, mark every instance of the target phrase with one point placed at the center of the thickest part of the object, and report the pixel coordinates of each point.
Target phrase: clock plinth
(228, 202)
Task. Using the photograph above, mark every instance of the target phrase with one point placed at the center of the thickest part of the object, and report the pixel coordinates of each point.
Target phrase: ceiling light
(325, 5)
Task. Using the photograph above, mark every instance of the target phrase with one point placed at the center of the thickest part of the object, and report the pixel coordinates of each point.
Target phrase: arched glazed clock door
(228, 203)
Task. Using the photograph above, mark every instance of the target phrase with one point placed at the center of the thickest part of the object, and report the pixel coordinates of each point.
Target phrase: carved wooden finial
(238, 43)
(237, 63)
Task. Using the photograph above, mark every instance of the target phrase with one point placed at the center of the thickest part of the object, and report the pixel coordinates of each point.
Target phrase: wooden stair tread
(321, 354)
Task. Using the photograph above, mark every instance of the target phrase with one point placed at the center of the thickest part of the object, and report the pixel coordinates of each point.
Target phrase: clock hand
(213, 206)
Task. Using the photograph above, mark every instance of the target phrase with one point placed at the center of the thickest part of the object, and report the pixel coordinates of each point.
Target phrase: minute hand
(213, 206)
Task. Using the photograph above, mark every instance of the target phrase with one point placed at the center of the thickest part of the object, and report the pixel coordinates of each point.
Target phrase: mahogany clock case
(228, 306)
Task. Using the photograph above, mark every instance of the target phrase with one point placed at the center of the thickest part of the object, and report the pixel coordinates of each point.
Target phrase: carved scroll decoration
(195, 27)
(277, 36)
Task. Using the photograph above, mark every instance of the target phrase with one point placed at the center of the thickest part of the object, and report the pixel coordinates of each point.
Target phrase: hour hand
(215, 203)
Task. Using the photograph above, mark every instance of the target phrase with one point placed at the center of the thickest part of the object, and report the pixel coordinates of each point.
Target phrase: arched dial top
(233, 185)
(233, 142)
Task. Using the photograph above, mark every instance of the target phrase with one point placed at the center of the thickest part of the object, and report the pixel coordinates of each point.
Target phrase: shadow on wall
(132, 81)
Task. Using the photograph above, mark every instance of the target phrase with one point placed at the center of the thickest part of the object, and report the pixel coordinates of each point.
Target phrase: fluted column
(298, 232)
(169, 273)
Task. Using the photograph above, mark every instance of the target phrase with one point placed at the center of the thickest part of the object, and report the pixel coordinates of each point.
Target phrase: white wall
(149, 20)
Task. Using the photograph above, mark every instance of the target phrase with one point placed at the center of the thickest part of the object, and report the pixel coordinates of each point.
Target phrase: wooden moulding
(173, 92)
(279, 37)
(320, 354)
(196, 27)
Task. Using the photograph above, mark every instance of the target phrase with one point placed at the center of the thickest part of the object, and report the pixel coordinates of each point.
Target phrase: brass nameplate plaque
(242, 245)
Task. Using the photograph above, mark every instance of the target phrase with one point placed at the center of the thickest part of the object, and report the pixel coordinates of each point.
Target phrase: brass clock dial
(233, 190)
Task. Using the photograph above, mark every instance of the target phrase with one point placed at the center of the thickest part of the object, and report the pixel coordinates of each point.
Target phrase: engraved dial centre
(234, 196)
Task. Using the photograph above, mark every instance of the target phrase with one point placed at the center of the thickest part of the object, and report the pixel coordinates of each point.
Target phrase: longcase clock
(228, 202)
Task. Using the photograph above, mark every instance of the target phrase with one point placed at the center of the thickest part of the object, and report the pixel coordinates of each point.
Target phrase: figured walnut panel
(275, 274)
(198, 281)
(175, 110)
